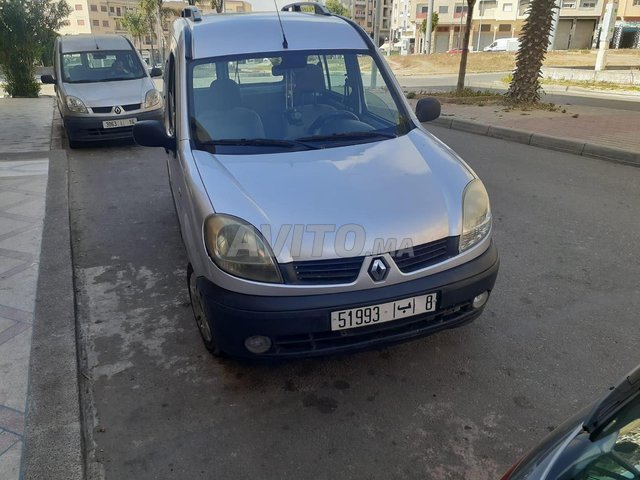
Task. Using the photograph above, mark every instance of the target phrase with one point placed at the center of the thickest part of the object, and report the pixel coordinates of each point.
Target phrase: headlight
(152, 98)
(476, 215)
(74, 104)
(238, 248)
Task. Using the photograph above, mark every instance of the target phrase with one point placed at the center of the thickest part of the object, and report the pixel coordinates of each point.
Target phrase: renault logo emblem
(117, 110)
(378, 269)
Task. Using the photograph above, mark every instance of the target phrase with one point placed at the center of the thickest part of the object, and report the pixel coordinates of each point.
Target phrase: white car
(317, 212)
(504, 45)
(102, 87)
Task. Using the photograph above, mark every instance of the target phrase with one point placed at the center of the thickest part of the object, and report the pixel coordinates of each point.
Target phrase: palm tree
(525, 85)
(465, 46)
(136, 25)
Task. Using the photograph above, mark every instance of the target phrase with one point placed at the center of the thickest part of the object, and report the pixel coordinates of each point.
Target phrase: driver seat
(308, 92)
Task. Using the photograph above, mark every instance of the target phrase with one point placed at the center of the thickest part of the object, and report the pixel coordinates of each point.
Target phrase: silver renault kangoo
(318, 215)
(102, 87)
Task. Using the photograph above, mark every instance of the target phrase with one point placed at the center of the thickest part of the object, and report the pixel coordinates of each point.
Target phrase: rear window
(102, 66)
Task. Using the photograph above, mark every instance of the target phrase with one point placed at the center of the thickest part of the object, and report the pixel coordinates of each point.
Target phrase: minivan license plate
(121, 122)
(384, 312)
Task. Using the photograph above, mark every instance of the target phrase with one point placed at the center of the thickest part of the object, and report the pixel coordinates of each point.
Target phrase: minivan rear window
(101, 66)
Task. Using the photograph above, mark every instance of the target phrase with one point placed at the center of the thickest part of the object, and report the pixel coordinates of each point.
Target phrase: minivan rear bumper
(300, 326)
(90, 129)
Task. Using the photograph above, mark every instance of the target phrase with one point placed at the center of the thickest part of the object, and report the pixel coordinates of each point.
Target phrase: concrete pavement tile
(19, 290)
(8, 225)
(10, 462)
(33, 208)
(13, 198)
(7, 263)
(7, 440)
(29, 128)
(11, 420)
(5, 323)
(21, 168)
(14, 370)
(28, 242)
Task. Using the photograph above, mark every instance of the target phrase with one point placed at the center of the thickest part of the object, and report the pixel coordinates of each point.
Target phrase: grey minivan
(102, 87)
(318, 214)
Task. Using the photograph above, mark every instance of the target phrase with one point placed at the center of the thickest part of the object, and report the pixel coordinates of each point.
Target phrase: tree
(525, 85)
(465, 46)
(217, 5)
(137, 26)
(337, 8)
(26, 28)
(154, 14)
(434, 23)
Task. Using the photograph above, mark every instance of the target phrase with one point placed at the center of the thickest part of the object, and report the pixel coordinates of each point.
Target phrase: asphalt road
(561, 327)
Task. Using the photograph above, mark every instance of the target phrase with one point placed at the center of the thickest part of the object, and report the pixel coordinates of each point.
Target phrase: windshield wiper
(347, 136)
(258, 142)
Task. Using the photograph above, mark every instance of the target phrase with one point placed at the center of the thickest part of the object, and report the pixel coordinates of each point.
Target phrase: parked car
(602, 442)
(504, 45)
(102, 87)
(318, 214)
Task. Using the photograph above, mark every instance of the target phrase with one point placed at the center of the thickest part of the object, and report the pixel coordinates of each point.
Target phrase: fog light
(258, 344)
(480, 300)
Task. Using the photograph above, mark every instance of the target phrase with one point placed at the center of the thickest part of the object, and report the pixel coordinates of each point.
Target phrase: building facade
(106, 17)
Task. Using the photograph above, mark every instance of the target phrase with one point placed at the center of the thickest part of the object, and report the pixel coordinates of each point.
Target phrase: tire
(200, 315)
(74, 144)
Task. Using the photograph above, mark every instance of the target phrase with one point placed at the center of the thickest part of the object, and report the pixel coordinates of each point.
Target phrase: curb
(53, 430)
(576, 147)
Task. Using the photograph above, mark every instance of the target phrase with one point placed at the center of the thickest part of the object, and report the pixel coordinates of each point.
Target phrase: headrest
(225, 94)
(309, 79)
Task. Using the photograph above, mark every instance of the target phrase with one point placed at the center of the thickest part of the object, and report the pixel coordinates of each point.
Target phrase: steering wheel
(322, 119)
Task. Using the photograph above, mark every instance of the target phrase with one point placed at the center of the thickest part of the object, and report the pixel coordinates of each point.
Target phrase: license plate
(121, 122)
(384, 312)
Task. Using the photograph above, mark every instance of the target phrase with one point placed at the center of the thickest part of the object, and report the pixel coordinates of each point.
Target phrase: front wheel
(200, 314)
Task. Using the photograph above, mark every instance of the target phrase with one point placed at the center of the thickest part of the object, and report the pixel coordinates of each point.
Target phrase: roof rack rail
(191, 13)
(318, 9)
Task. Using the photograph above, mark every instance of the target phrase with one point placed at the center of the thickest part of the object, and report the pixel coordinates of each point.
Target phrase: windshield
(102, 66)
(292, 100)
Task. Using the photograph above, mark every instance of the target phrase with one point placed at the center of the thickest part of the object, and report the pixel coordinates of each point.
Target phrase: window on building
(118, 11)
(507, 7)
(461, 9)
(424, 9)
(78, 6)
(111, 10)
(95, 23)
(568, 4)
(105, 23)
(504, 27)
(147, 40)
(443, 9)
(93, 8)
(81, 23)
(587, 4)
(103, 8)
(485, 28)
(636, 3)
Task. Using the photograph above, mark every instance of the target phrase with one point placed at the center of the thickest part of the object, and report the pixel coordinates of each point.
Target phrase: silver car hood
(403, 189)
(106, 94)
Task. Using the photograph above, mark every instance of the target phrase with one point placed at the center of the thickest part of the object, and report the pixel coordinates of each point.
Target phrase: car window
(101, 66)
(327, 97)
(614, 454)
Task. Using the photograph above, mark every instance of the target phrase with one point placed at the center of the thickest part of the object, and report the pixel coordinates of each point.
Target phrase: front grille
(127, 108)
(338, 270)
(412, 326)
(421, 256)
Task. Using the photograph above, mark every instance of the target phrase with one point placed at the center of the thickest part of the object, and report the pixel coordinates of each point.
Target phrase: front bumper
(89, 128)
(300, 326)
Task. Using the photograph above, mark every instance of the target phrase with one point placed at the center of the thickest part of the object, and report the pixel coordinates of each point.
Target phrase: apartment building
(105, 17)
(363, 12)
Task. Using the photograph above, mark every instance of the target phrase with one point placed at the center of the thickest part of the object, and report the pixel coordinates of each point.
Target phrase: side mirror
(156, 72)
(151, 133)
(428, 109)
(48, 79)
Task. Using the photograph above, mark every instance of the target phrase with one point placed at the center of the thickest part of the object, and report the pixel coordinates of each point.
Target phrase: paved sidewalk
(23, 182)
